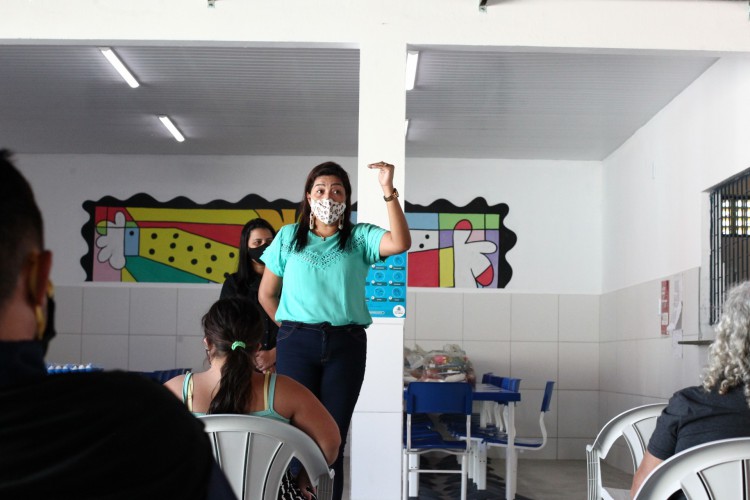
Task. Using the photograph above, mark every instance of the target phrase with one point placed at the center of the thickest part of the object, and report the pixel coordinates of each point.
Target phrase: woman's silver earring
(312, 221)
(341, 223)
(208, 357)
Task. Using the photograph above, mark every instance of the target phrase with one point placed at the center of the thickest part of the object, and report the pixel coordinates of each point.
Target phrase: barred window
(730, 231)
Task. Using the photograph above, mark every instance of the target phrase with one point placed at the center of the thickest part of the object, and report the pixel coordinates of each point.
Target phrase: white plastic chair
(712, 471)
(255, 452)
(636, 426)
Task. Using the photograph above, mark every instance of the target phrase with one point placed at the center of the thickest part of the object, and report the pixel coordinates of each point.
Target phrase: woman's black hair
(245, 272)
(231, 320)
(327, 168)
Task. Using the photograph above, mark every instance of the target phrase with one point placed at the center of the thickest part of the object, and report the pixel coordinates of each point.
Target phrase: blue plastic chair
(529, 443)
(509, 383)
(435, 397)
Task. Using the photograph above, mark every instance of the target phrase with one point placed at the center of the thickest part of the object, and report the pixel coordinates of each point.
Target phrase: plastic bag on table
(413, 363)
(449, 364)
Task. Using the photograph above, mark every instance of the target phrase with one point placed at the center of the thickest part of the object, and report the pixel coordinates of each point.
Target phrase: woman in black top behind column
(256, 235)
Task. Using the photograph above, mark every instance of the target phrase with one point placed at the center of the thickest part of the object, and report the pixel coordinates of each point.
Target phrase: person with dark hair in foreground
(80, 435)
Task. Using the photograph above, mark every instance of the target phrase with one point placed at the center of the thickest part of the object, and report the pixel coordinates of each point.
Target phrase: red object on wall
(664, 306)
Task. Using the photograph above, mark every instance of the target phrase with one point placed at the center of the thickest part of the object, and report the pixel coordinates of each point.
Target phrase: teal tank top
(269, 392)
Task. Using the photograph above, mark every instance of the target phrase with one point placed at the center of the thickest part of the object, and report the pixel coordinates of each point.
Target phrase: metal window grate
(730, 232)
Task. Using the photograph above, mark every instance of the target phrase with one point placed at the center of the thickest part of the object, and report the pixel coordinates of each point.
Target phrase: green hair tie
(238, 343)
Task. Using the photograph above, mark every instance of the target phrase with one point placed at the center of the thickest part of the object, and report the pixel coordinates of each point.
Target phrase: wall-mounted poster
(385, 287)
(670, 305)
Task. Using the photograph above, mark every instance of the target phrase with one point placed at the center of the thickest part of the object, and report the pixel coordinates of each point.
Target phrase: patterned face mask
(327, 211)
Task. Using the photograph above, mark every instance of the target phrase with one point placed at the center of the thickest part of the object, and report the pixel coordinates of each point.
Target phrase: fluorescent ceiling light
(412, 57)
(406, 127)
(171, 127)
(119, 66)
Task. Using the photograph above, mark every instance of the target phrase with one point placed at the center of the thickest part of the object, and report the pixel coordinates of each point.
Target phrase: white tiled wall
(535, 337)
(638, 365)
(131, 327)
(602, 351)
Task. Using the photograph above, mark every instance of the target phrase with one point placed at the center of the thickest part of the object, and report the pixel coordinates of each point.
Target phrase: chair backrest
(162, 376)
(509, 383)
(438, 397)
(715, 470)
(547, 399)
(254, 453)
(635, 426)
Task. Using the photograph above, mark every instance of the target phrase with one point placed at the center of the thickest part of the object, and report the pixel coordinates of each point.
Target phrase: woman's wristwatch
(393, 195)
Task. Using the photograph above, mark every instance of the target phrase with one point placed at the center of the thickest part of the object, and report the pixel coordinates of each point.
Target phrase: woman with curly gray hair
(720, 407)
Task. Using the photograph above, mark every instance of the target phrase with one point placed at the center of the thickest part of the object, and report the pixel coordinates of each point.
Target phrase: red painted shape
(485, 279)
(424, 268)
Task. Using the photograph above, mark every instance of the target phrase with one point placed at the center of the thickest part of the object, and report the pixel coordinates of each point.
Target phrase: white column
(376, 425)
(382, 111)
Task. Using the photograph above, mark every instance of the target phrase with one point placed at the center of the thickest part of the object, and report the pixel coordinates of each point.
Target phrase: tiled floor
(553, 479)
(562, 479)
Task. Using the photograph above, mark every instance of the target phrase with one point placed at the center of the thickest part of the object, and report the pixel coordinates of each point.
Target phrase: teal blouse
(322, 282)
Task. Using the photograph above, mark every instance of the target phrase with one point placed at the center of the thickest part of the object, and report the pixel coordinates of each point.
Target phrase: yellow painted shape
(447, 268)
(211, 216)
(126, 277)
(191, 253)
(275, 219)
(101, 227)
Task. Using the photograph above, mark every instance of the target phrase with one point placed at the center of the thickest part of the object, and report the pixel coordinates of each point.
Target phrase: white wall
(532, 336)
(555, 211)
(63, 182)
(653, 184)
(655, 227)
(555, 207)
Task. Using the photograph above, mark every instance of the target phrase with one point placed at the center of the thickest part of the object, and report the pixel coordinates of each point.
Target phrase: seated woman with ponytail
(233, 329)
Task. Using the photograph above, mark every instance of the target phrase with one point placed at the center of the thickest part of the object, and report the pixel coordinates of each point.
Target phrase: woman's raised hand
(385, 176)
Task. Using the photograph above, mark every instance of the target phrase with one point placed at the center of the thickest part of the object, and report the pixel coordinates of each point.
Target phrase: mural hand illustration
(112, 243)
(472, 267)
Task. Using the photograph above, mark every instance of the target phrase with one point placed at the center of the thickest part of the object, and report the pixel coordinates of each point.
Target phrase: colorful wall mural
(179, 241)
(459, 247)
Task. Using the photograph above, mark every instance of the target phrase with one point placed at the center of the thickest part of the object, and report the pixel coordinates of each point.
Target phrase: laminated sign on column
(385, 290)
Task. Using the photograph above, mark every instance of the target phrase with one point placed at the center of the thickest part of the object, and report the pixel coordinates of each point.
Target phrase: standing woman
(256, 235)
(323, 262)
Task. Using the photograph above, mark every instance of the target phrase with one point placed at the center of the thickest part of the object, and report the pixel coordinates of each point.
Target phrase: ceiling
(467, 103)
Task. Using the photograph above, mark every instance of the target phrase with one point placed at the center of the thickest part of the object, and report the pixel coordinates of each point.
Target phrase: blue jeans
(330, 361)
